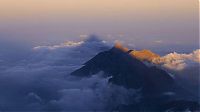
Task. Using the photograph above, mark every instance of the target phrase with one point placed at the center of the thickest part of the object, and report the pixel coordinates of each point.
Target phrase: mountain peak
(119, 46)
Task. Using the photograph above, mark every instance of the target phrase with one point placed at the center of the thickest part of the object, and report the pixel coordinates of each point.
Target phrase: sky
(140, 23)
(37, 54)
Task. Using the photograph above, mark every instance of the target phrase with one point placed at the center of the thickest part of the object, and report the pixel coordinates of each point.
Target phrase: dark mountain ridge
(126, 71)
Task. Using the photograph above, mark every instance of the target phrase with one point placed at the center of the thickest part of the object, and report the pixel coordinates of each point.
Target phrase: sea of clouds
(41, 81)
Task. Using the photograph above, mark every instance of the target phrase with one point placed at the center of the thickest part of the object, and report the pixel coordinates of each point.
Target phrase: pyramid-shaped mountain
(126, 68)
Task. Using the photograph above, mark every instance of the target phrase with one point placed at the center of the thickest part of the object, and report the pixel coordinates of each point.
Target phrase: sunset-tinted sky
(137, 22)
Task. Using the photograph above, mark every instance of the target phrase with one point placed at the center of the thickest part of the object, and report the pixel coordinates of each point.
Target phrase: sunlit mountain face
(102, 55)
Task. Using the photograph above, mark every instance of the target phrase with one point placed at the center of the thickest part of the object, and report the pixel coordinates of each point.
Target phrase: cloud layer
(41, 81)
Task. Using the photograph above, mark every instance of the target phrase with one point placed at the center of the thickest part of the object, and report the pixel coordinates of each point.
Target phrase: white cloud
(176, 61)
(63, 45)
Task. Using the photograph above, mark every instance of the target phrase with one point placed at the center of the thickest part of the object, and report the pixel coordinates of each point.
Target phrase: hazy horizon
(153, 24)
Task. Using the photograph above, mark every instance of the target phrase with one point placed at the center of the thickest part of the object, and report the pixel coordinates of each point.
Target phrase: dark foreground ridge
(158, 88)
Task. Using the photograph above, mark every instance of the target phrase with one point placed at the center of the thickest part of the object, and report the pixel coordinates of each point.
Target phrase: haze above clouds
(37, 22)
